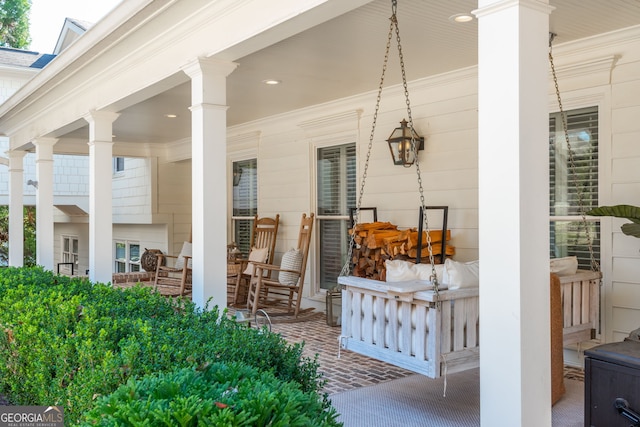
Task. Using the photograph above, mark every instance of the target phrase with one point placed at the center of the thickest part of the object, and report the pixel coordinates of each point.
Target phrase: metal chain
(346, 269)
(394, 24)
(595, 266)
(434, 278)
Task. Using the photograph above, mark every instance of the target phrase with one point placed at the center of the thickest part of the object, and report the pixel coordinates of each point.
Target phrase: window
(127, 257)
(118, 164)
(568, 234)
(69, 252)
(336, 193)
(245, 202)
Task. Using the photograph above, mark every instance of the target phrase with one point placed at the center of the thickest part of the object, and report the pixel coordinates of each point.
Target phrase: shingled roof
(23, 58)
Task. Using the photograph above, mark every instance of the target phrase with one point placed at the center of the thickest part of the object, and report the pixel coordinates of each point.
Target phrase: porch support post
(100, 195)
(209, 179)
(44, 201)
(515, 384)
(16, 208)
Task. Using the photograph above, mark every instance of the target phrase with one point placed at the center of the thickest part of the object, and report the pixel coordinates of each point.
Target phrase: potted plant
(632, 213)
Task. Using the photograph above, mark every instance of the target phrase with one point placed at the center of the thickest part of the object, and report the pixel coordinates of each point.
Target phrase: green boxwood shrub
(67, 341)
(218, 395)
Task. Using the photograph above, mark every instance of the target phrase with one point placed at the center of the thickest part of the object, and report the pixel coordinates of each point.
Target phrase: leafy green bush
(229, 395)
(66, 341)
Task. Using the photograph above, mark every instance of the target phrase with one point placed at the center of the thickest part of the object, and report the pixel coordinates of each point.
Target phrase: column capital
(44, 142)
(15, 154)
(44, 148)
(16, 160)
(488, 7)
(202, 66)
(101, 124)
(95, 116)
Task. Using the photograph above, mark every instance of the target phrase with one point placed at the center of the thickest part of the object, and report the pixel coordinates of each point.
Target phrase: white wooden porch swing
(417, 325)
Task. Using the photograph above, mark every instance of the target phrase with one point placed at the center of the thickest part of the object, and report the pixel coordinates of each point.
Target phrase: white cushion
(564, 266)
(256, 255)
(461, 274)
(291, 260)
(404, 271)
(185, 251)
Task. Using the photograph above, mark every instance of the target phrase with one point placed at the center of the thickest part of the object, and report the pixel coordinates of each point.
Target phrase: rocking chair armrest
(270, 267)
(264, 266)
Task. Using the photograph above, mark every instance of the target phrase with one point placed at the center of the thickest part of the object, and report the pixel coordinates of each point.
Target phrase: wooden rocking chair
(175, 279)
(263, 245)
(284, 291)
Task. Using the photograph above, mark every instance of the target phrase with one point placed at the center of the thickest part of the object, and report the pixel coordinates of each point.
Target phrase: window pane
(121, 267)
(242, 234)
(336, 179)
(75, 246)
(245, 193)
(66, 244)
(569, 238)
(565, 184)
(135, 267)
(574, 186)
(245, 201)
(336, 183)
(134, 252)
(334, 242)
(121, 252)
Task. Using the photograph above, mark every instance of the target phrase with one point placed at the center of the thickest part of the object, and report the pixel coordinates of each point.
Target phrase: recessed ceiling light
(171, 116)
(461, 17)
(271, 82)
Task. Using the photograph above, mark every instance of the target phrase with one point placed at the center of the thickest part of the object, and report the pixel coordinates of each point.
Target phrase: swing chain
(595, 266)
(393, 25)
(414, 148)
(346, 269)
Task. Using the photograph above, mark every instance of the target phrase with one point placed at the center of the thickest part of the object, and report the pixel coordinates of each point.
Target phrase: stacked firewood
(376, 242)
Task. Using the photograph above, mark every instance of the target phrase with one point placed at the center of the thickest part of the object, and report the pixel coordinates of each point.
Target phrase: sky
(47, 18)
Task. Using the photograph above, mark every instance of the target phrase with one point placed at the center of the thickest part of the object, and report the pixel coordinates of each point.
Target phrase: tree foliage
(14, 23)
(29, 235)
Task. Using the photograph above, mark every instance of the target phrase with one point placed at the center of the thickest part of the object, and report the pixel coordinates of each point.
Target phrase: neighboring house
(177, 90)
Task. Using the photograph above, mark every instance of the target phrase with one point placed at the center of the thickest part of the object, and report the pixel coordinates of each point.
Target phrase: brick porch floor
(351, 370)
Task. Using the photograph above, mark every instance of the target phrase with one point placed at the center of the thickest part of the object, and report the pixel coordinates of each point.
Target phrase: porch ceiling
(343, 57)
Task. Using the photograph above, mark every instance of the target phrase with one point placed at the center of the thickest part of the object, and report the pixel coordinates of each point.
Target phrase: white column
(100, 196)
(515, 386)
(209, 177)
(44, 201)
(16, 208)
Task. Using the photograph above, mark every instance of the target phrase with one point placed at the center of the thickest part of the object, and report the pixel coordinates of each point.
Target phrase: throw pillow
(185, 251)
(291, 260)
(403, 271)
(256, 255)
(564, 266)
(461, 274)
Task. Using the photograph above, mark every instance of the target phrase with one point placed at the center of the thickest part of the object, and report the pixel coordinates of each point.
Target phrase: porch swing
(413, 324)
(416, 325)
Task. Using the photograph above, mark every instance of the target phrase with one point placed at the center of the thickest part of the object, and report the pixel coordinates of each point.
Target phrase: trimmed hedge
(219, 395)
(66, 341)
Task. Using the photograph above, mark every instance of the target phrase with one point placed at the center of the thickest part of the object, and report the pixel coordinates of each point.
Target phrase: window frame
(67, 254)
(118, 165)
(556, 221)
(236, 219)
(320, 218)
(129, 264)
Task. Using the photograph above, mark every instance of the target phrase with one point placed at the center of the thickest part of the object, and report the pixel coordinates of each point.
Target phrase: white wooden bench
(580, 306)
(395, 322)
(404, 324)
